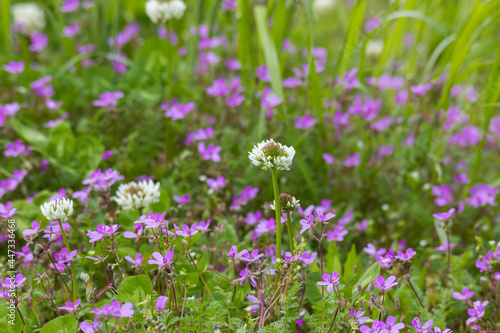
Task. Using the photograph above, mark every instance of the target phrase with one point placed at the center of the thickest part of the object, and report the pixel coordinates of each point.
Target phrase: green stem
(73, 271)
(290, 232)
(278, 215)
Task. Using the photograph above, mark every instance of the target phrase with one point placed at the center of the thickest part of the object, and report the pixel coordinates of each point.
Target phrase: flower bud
(287, 203)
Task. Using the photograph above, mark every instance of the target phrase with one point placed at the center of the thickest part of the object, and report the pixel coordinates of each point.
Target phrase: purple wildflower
(465, 295)
(70, 307)
(384, 285)
(331, 281)
(103, 231)
(160, 260)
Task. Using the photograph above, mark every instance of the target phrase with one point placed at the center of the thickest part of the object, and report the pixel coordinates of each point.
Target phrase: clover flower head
(287, 203)
(28, 17)
(162, 11)
(270, 154)
(137, 195)
(57, 210)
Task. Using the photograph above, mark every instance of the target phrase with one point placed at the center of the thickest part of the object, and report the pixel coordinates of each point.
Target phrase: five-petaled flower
(331, 281)
(384, 285)
(160, 260)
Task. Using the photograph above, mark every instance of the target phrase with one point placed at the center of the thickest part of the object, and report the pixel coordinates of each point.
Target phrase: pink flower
(14, 67)
(116, 310)
(217, 183)
(307, 224)
(330, 281)
(91, 328)
(184, 200)
(209, 152)
(444, 247)
(103, 231)
(465, 295)
(329, 159)
(384, 285)
(256, 303)
(70, 307)
(305, 122)
(137, 262)
(352, 161)
(161, 303)
(108, 99)
(407, 256)
(444, 216)
(186, 231)
(476, 312)
(160, 260)
(337, 234)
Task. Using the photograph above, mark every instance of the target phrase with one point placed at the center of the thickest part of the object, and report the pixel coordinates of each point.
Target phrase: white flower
(374, 48)
(137, 195)
(322, 6)
(28, 17)
(57, 210)
(271, 154)
(287, 203)
(162, 11)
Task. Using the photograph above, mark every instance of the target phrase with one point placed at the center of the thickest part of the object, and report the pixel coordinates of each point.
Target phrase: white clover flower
(287, 203)
(28, 17)
(271, 154)
(374, 48)
(164, 10)
(322, 6)
(137, 195)
(57, 210)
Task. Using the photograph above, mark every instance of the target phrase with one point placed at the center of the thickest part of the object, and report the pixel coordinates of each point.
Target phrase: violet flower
(407, 256)
(419, 327)
(186, 231)
(465, 295)
(304, 122)
(70, 307)
(91, 328)
(14, 67)
(103, 231)
(184, 200)
(444, 216)
(477, 312)
(337, 234)
(137, 262)
(108, 99)
(307, 224)
(384, 285)
(256, 303)
(209, 152)
(246, 274)
(161, 303)
(251, 257)
(331, 281)
(115, 309)
(161, 261)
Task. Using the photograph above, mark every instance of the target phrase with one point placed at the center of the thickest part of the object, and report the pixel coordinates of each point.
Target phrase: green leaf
(269, 49)
(135, 288)
(333, 258)
(244, 44)
(64, 324)
(352, 36)
(369, 276)
(352, 260)
(29, 134)
(313, 291)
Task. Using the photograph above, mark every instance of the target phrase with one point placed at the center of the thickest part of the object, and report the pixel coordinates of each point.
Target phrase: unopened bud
(203, 248)
(85, 277)
(210, 268)
(396, 303)
(360, 288)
